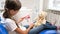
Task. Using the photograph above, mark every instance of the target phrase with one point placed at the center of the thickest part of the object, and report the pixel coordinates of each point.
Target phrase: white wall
(33, 5)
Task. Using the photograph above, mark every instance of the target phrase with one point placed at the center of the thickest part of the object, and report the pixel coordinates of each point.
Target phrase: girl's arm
(20, 20)
(24, 32)
(18, 30)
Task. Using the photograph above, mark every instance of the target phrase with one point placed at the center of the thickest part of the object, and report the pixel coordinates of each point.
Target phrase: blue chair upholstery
(48, 32)
(3, 30)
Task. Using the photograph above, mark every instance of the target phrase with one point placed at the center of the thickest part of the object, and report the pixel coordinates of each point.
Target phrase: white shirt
(10, 24)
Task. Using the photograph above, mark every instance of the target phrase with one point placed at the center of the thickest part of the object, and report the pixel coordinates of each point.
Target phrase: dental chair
(48, 32)
(2, 29)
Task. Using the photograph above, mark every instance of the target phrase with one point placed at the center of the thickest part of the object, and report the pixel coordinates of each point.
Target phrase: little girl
(41, 24)
(11, 8)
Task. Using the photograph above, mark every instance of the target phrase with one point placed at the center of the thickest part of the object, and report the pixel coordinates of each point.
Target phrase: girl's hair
(11, 5)
(42, 15)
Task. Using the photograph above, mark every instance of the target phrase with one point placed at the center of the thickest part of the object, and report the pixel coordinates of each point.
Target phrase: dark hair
(11, 5)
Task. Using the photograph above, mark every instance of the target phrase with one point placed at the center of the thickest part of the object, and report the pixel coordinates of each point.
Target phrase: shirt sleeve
(10, 25)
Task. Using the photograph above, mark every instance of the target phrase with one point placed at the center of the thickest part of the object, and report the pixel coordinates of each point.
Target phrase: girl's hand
(20, 20)
(31, 25)
(27, 17)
